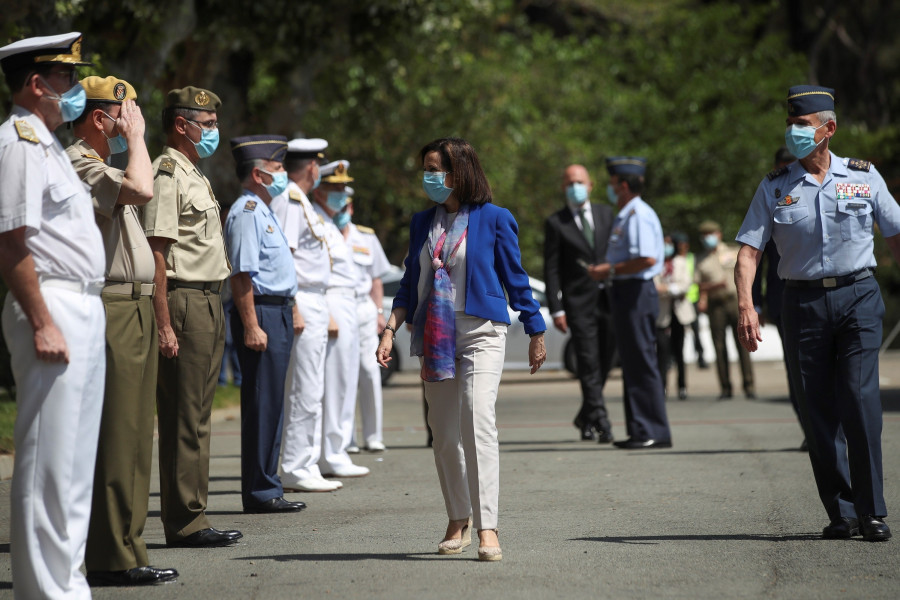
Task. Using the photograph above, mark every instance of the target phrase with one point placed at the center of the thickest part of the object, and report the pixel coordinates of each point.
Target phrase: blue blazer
(493, 262)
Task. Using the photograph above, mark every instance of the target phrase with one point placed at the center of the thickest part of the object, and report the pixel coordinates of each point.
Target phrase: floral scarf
(434, 324)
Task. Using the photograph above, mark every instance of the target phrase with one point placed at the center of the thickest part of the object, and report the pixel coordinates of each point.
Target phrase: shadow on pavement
(347, 557)
(655, 452)
(750, 537)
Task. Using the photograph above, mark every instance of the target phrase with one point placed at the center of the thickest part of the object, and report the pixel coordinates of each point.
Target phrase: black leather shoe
(135, 576)
(632, 444)
(604, 437)
(725, 396)
(682, 393)
(842, 528)
(207, 538)
(586, 429)
(874, 529)
(275, 505)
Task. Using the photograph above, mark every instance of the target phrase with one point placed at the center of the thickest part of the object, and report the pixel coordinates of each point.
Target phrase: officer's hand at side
(299, 324)
(332, 328)
(748, 329)
(50, 345)
(561, 323)
(256, 339)
(168, 343)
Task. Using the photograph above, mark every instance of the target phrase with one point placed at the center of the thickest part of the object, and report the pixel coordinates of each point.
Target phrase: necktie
(587, 230)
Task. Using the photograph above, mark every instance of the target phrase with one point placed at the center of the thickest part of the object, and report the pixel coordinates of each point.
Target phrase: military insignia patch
(364, 229)
(269, 229)
(202, 99)
(778, 192)
(26, 132)
(776, 173)
(859, 165)
(361, 250)
(295, 196)
(92, 156)
(119, 91)
(787, 201)
(251, 205)
(844, 191)
(167, 165)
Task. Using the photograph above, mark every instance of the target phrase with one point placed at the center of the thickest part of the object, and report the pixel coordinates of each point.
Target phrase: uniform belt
(341, 291)
(204, 286)
(312, 289)
(360, 298)
(830, 282)
(135, 289)
(273, 300)
(82, 287)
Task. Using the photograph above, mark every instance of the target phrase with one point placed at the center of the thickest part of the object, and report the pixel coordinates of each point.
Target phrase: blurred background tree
(696, 86)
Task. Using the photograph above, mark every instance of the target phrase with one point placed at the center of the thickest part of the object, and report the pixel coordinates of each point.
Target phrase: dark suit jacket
(564, 244)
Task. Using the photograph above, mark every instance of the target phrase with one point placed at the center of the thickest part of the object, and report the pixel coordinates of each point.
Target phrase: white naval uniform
(306, 233)
(342, 354)
(59, 404)
(368, 255)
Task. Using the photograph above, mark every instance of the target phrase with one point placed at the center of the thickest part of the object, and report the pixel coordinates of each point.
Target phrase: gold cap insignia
(202, 99)
(119, 91)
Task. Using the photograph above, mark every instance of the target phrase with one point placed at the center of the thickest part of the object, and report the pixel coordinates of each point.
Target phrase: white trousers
(56, 431)
(301, 440)
(341, 377)
(463, 420)
(369, 389)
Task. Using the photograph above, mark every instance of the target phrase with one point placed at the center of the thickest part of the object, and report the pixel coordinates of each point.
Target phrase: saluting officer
(51, 258)
(264, 319)
(368, 255)
(634, 257)
(307, 234)
(112, 123)
(342, 352)
(184, 228)
(820, 211)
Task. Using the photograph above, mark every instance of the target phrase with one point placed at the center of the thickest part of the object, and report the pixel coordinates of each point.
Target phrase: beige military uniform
(125, 449)
(722, 309)
(185, 211)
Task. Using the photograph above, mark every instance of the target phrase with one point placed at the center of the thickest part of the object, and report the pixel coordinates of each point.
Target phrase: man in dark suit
(576, 237)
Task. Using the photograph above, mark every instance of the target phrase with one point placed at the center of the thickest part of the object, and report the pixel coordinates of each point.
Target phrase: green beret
(709, 227)
(194, 98)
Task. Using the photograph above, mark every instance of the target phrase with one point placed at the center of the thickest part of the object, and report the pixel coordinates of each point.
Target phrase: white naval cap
(64, 48)
(307, 148)
(336, 172)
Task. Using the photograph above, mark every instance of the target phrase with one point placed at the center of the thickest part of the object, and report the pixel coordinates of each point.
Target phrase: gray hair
(245, 168)
(826, 115)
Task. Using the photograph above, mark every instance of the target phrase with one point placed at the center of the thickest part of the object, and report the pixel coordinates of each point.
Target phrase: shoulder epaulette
(92, 156)
(777, 173)
(295, 196)
(858, 164)
(250, 206)
(364, 229)
(166, 165)
(26, 132)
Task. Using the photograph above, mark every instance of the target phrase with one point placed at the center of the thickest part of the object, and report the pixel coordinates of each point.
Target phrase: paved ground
(730, 512)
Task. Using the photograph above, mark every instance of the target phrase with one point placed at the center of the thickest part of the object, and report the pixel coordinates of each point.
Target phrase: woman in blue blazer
(463, 255)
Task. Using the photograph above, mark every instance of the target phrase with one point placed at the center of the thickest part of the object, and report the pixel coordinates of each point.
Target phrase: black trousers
(594, 348)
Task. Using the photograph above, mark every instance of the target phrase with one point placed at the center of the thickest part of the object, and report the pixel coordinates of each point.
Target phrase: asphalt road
(730, 512)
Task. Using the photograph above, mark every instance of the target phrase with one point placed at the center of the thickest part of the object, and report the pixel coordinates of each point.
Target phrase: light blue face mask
(118, 144)
(433, 184)
(71, 103)
(341, 219)
(611, 195)
(577, 193)
(711, 240)
(336, 200)
(669, 249)
(801, 139)
(318, 179)
(209, 141)
(278, 185)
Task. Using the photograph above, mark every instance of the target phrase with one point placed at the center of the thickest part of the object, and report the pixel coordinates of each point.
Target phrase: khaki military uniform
(722, 309)
(125, 449)
(185, 211)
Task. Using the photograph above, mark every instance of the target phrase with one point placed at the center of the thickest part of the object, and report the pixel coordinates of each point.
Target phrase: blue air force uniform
(257, 246)
(832, 312)
(635, 306)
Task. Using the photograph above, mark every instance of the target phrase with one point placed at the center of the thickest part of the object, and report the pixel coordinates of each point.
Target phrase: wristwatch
(612, 271)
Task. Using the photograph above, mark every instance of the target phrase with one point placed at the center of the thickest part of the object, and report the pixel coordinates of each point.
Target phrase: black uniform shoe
(604, 437)
(874, 529)
(208, 538)
(725, 395)
(275, 505)
(587, 429)
(632, 444)
(841, 529)
(682, 393)
(135, 576)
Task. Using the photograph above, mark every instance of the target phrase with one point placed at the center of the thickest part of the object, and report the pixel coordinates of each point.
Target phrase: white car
(516, 339)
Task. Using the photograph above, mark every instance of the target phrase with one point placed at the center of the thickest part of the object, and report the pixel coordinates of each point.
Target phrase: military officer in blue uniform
(264, 319)
(634, 256)
(820, 211)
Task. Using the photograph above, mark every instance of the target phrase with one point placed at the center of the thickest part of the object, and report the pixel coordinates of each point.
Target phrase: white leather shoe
(350, 470)
(352, 449)
(375, 446)
(313, 485)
